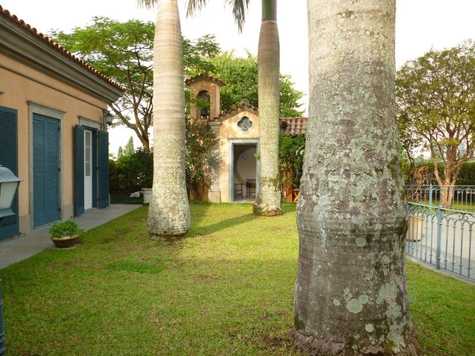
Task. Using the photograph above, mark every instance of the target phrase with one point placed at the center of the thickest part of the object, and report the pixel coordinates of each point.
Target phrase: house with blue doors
(53, 128)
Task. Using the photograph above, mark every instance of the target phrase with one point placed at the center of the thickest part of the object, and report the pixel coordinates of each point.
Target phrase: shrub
(291, 154)
(465, 177)
(64, 229)
(131, 172)
(467, 174)
(200, 156)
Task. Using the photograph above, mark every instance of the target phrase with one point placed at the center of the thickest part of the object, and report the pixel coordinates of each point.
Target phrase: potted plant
(65, 234)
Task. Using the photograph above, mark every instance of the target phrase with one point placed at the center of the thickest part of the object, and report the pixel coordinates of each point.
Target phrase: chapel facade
(234, 176)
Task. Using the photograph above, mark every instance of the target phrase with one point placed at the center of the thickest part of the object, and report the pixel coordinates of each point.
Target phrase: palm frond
(147, 3)
(239, 9)
(195, 6)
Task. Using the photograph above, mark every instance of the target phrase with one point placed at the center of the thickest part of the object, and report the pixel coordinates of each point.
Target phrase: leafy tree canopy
(240, 77)
(436, 107)
(124, 52)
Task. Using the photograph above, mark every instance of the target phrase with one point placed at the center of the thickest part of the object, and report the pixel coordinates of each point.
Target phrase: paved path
(20, 248)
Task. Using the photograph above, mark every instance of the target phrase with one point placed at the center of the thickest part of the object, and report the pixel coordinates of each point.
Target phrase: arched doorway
(203, 103)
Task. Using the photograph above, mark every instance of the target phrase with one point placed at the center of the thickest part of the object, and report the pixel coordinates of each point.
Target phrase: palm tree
(350, 293)
(169, 213)
(269, 194)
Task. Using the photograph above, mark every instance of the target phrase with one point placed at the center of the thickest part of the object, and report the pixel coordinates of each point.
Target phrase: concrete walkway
(20, 248)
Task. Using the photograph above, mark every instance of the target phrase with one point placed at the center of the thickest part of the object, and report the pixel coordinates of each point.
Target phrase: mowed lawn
(227, 288)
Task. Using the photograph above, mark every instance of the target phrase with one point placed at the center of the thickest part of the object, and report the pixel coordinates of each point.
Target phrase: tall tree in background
(436, 109)
(124, 51)
(351, 290)
(129, 147)
(241, 77)
(268, 200)
(169, 213)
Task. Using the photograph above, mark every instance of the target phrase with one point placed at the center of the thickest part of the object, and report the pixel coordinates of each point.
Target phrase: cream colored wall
(20, 85)
(228, 132)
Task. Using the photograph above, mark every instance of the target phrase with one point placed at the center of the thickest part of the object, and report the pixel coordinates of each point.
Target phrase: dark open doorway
(244, 181)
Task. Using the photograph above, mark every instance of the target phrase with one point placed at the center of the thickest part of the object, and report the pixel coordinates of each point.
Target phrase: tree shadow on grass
(200, 213)
(198, 230)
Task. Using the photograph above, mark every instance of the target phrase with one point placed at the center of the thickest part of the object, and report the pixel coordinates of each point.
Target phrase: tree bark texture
(350, 295)
(169, 213)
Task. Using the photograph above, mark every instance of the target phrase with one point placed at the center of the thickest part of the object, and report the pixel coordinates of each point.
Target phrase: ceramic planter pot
(147, 195)
(66, 242)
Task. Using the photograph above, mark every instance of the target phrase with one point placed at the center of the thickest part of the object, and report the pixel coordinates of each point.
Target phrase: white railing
(459, 197)
(442, 238)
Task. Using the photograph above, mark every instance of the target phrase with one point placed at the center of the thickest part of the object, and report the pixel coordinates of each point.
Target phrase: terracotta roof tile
(293, 125)
(204, 77)
(50, 42)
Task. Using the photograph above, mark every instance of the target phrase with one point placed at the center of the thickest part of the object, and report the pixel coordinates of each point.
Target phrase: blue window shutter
(103, 174)
(46, 191)
(52, 198)
(46, 165)
(8, 158)
(78, 170)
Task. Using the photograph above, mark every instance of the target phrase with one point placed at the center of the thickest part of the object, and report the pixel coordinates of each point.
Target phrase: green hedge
(466, 175)
(132, 172)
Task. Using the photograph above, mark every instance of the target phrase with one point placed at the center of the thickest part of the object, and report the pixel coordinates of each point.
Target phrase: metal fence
(463, 196)
(442, 238)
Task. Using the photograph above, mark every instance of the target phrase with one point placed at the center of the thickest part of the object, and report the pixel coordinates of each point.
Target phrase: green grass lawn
(463, 207)
(225, 289)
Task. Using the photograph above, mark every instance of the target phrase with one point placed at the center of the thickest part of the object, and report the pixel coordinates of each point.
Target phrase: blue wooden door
(46, 198)
(8, 158)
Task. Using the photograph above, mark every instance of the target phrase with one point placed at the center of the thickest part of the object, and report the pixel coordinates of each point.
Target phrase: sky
(421, 25)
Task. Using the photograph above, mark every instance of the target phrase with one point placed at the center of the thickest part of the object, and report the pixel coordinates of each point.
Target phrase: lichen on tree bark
(350, 293)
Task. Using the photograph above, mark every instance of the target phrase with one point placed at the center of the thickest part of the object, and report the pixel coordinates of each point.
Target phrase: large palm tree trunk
(350, 293)
(169, 209)
(269, 196)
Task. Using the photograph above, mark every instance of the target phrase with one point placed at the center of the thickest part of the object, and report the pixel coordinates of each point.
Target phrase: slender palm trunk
(269, 194)
(169, 209)
(350, 293)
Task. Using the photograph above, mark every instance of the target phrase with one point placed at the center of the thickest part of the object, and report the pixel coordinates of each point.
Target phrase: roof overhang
(204, 78)
(37, 52)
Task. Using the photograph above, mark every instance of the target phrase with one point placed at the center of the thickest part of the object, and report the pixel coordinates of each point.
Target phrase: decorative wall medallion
(245, 123)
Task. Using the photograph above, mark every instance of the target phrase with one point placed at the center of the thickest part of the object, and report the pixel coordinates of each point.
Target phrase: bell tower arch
(206, 97)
